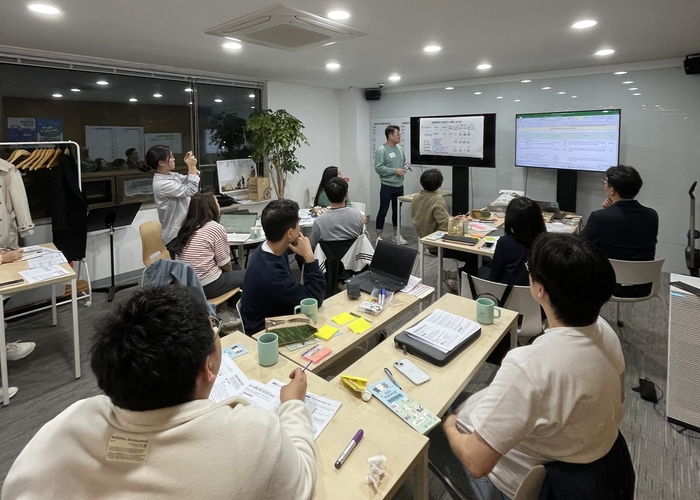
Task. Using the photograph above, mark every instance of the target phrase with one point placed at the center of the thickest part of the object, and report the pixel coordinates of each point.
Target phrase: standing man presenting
(390, 163)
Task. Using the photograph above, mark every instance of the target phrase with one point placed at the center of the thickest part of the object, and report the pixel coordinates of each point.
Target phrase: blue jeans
(387, 195)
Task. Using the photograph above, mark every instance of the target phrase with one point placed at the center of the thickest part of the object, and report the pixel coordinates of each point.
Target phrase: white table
(408, 198)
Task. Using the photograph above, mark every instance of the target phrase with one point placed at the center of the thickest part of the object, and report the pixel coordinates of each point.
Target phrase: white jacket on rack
(14, 208)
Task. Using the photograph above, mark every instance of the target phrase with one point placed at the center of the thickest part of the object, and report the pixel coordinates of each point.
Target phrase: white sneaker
(399, 240)
(11, 391)
(18, 350)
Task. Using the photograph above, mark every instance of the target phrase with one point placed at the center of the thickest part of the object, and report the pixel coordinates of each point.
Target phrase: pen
(383, 296)
(13, 282)
(391, 377)
(348, 449)
(307, 365)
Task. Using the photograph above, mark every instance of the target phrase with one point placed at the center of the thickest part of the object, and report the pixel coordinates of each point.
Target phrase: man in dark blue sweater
(269, 288)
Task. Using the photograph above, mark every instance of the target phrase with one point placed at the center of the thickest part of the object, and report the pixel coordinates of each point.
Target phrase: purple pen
(348, 449)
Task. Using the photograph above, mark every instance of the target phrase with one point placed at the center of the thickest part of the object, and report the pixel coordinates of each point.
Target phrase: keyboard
(467, 240)
(381, 281)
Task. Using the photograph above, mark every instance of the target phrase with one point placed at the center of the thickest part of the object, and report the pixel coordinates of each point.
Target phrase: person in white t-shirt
(559, 399)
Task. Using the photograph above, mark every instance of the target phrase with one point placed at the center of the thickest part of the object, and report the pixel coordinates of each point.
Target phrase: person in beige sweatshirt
(156, 434)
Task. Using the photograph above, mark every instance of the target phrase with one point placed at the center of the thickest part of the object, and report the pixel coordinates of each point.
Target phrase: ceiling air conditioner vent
(281, 27)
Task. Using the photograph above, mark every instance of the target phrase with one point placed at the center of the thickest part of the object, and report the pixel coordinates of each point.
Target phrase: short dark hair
(625, 180)
(576, 275)
(147, 354)
(336, 189)
(129, 151)
(390, 130)
(431, 180)
(278, 217)
(157, 154)
(524, 220)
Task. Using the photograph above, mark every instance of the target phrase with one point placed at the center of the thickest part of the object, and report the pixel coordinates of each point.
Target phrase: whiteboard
(378, 138)
(173, 141)
(127, 138)
(102, 142)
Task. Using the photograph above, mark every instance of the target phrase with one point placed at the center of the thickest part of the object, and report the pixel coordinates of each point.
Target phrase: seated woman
(523, 224)
(321, 199)
(202, 243)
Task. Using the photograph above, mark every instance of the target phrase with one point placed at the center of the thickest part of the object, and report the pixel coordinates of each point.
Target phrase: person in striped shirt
(202, 243)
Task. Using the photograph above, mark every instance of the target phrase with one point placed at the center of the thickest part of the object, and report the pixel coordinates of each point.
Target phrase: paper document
(47, 259)
(443, 330)
(322, 409)
(237, 237)
(558, 227)
(43, 273)
(229, 381)
(412, 282)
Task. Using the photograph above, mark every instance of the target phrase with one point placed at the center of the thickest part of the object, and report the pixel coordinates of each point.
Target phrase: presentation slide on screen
(461, 136)
(584, 140)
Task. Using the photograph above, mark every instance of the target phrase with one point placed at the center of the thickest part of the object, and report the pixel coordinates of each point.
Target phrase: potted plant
(276, 135)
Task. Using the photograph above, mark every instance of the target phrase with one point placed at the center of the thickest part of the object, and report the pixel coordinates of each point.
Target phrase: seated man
(340, 222)
(624, 229)
(156, 434)
(269, 288)
(561, 398)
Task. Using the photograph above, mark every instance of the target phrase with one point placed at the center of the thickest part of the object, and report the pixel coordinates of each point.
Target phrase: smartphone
(353, 288)
(411, 371)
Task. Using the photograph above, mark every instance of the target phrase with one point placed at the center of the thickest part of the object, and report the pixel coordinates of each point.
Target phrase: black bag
(424, 351)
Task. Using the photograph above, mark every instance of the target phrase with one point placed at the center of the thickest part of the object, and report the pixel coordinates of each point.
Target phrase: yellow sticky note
(359, 325)
(326, 332)
(342, 318)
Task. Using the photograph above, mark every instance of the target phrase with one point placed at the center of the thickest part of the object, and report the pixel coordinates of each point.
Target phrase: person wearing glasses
(560, 398)
(391, 165)
(155, 433)
(624, 229)
(172, 191)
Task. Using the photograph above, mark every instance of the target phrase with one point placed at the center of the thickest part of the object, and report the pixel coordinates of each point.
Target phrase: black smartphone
(353, 288)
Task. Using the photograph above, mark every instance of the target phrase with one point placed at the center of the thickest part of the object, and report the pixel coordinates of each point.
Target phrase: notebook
(238, 226)
(390, 268)
(550, 207)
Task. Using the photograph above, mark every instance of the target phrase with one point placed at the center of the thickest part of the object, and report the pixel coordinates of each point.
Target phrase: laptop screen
(238, 223)
(393, 260)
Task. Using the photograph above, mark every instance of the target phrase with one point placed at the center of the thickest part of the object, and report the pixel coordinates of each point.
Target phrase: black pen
(307, 365)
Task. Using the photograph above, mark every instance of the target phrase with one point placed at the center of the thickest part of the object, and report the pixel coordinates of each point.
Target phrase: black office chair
(333, 266)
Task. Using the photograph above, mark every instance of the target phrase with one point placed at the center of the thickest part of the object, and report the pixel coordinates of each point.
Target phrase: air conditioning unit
(281, 27)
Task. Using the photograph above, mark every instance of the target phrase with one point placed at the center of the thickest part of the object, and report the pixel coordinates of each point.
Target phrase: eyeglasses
(216, 324)
(605, 181)
(527, 266)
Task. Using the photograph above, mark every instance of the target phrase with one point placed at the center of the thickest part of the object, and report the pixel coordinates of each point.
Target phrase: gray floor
(667, 463)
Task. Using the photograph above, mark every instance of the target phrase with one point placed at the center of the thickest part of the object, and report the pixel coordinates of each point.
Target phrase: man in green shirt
(390, 163)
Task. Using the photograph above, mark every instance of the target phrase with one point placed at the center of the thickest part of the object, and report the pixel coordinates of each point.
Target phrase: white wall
(662, 142)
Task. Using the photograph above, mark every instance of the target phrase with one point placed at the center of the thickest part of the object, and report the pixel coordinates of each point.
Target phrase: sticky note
(360, 325)
(326, 332)
(342, 318)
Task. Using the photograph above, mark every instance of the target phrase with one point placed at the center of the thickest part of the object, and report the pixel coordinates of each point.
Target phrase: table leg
(514, 335)
(54, 319)
(439, 273)
(422, 264)
(3, 360)
(420, 477)
(76, 331)
(398, 221)
(241, 260)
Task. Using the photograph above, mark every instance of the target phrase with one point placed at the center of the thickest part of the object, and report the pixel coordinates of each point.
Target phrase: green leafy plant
(276, 135)
(228, 132)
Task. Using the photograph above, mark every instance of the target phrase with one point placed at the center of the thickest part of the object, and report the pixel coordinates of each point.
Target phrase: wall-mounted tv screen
(454, 140)
(570, 140)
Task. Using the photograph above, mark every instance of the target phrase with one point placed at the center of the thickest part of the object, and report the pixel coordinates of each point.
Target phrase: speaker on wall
(373, 94)
(692, 64)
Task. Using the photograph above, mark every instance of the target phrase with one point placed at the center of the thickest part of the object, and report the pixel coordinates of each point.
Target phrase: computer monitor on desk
(550, 207)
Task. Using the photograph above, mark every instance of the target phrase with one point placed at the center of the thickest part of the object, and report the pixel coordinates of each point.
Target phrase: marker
(308, 364)
(348, 449)
(391, 377)
(383, 296)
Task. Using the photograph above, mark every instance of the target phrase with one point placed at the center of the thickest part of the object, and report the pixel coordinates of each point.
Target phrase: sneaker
(18, 350)
(11, 391)
(399, 240)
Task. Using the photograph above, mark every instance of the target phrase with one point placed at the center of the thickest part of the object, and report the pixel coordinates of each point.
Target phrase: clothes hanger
(16, 154)
(52, 161)
(27, 161)
(40, 159)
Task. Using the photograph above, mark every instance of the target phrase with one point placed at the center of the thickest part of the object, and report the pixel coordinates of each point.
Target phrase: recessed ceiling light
(433, 48)
(158, 95)
(57, 95)
(574, 96)
(633, 88)
(188, 89)
(102, 82)
(231, 38)
(43, 9)
(133, 99)
(525, 81)
(561, 93)
(484, 66)
(499, 97)
(232, 45)
(252, 107)
(329, 43)
(75, 90)
(449, 88)
(516, 100)
(333, 65)
(338, 15)
(190, 103)
(605, 52)
(546, 88)
(477, 93)
(394, 78)
(637, 93)
(579, 25)
(252, 96)
(218, 100)
(628, 82)
(620, 73)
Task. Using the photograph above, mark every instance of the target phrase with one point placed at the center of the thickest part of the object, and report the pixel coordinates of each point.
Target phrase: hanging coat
(69, 209)
(15, 218)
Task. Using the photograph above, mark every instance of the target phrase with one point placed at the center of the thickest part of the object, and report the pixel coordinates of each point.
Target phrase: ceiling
(514, 36)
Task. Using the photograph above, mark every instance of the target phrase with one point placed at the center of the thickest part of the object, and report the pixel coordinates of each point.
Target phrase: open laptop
(550, 207)
(238, 226)
(390, 268)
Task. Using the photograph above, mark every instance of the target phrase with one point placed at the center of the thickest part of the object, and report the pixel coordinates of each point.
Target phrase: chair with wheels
(152, 246)
(632, 274)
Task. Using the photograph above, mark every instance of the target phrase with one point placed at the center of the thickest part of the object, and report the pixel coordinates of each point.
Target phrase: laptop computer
(550, 207)
(390, 268)
(238, 226)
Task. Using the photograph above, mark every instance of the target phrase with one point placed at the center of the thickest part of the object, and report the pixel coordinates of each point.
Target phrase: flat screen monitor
(568, 140)
(454, 140)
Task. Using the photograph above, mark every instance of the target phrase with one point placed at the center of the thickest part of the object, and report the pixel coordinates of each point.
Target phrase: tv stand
(566, 189)
(460, 190)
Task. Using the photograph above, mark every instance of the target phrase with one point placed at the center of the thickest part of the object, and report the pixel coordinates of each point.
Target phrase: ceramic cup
(486, 311)
(268, 349)
(255, 232)
(308, 307)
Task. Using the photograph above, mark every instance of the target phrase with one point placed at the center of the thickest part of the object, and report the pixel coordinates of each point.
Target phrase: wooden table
(408, 198)
(342, 343)
(448, 381)
(10, 272)
(406, 450)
